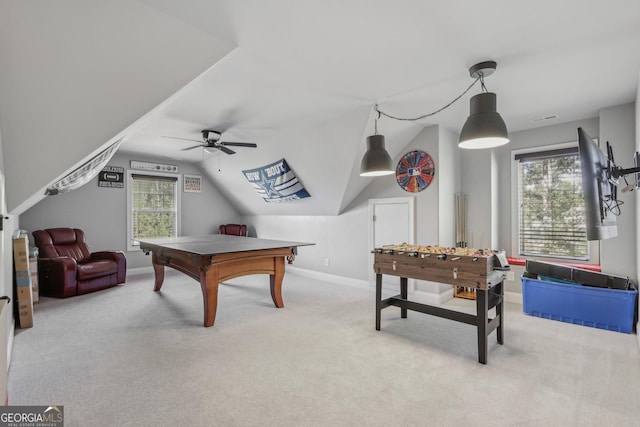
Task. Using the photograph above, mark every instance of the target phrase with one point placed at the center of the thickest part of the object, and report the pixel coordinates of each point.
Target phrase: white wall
(615, 124)
(1, 153)
(102, 212)
(6, 267)
(485, 178)
(476, 184)
(344, 239)
(618, 255)
(637, 139)
(448, 167)
(561, 133)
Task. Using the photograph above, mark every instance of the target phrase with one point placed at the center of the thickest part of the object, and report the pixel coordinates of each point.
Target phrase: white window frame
(594, 246)
(131, 246)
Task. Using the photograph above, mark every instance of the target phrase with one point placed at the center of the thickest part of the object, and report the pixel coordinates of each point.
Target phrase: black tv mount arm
(618, 172)
(614, 171)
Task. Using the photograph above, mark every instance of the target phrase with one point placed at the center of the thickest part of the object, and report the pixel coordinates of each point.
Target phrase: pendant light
(376, 161)
(484, 127)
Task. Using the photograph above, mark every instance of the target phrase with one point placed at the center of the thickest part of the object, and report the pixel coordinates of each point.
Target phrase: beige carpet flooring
(128, 356)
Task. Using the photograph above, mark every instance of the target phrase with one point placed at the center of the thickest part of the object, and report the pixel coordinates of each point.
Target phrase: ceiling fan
(211, 140)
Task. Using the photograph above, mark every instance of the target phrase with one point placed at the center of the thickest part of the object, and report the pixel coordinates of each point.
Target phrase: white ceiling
(302, 77)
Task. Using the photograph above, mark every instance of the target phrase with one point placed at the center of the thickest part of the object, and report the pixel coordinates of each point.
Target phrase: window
(153, 206)
(551, 213)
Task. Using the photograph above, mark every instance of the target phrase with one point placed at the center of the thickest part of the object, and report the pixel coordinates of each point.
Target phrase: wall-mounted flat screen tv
(599, 193)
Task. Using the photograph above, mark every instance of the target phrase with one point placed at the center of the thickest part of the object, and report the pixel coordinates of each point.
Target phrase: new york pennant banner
(276, 182)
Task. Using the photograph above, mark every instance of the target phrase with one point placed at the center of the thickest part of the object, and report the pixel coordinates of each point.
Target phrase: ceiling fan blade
(225, 149)
(191, 148)
(239, 144)
(184, 139)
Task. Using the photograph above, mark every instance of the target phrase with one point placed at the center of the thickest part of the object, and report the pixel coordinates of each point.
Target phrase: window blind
(154, 206)
(551, 215)
(539, 155)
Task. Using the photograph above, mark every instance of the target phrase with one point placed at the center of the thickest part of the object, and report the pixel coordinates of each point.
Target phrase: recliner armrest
(117, 256)
(60, 276)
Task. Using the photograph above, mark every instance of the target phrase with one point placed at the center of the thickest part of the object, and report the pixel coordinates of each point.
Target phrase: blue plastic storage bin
(610, 309)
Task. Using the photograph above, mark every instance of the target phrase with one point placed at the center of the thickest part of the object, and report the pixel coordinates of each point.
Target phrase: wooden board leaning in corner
(23, 280)
(35, 290)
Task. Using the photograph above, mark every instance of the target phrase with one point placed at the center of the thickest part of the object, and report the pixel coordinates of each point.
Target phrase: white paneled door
(392, 221)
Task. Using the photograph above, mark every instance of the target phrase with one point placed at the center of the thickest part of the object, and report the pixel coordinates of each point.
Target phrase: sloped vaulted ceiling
(77, 75)
(298, 78)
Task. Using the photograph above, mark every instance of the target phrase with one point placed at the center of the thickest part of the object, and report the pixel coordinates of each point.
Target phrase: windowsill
(523, 261)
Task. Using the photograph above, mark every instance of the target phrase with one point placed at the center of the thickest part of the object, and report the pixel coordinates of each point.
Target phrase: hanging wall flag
(276, 182)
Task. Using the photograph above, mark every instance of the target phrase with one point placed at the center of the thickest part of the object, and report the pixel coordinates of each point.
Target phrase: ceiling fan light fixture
(211, 135)
(212, 143)
(376, 161)
(484, 127)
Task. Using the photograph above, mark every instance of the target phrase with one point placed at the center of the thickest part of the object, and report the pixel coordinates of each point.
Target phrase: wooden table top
(217, 244)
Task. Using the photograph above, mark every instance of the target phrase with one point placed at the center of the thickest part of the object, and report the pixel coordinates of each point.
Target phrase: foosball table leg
(378, 300)
(500, 312)
(404, 295)
(482, 316)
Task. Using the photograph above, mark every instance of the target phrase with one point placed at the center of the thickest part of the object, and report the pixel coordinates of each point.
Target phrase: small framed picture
(192, 183)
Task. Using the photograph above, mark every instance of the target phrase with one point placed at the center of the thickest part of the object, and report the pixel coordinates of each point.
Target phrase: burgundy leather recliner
(234, 229)
(66, 266)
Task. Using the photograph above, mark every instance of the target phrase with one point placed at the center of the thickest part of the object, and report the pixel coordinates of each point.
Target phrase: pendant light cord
(377, 109)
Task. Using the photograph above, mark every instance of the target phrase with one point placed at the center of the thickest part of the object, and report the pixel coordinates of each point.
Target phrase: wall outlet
(511, 276)
(326, 262)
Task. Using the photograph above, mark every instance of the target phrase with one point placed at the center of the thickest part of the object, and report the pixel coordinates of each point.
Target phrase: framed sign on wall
(192, 183)
(112, 177)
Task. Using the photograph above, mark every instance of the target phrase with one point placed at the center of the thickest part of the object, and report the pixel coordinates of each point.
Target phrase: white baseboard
(362, 284)
(139, 270)
(12, 331)
(432, 298)
(427, 297)
(514, 297)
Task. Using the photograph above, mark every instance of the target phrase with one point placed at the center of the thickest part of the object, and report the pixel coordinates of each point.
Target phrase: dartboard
(415, 171)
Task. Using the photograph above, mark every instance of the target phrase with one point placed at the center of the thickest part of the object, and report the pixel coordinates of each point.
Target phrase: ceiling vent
(543, 119)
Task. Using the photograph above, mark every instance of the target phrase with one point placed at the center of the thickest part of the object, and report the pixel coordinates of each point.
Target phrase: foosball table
(480, 270)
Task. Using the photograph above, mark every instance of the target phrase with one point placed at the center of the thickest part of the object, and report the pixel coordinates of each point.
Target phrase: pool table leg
(209, 281)
(158, 270)
(275, 280)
